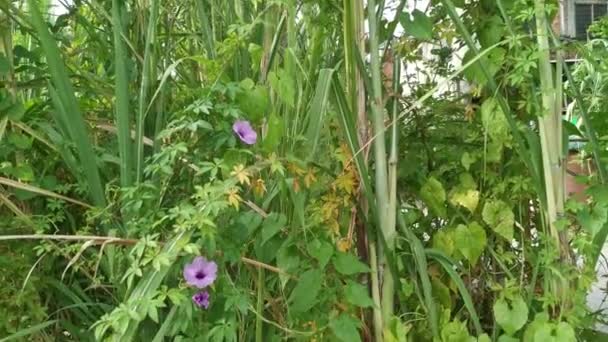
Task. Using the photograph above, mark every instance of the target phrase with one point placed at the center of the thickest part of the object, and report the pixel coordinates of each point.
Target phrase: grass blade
(122, 96)
(447, 264)
(206, 31)
(160, 334)
(15, 209)
(71, 111)
(147, 71)
(317, 108)
(19, 335)
(425, 280)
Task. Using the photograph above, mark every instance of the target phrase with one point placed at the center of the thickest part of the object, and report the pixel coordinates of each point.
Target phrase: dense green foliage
(405, 181)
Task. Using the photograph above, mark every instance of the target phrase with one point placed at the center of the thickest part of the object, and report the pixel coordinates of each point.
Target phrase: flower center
(200, 275)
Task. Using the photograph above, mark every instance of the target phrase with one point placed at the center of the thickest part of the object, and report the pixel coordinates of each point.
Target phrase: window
(584, 12)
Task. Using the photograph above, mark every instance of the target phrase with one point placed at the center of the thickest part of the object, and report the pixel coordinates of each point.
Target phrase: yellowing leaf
(499, 216)
(295, 169)
(259, 187)
(275, 164)
(234, 198)
(310, 178)
(466, 198)
(344, 245)
(334, 226)
(346, 182)
(241, 174)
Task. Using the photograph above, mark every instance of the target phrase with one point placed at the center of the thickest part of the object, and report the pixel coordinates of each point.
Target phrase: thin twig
(265, 266)
(40, 191)
(96, 239)
(287, 330)
(103, 240)
(256, 208)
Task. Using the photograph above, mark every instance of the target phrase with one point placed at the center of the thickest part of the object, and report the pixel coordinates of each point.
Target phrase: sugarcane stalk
(380, 158)
(549, 122)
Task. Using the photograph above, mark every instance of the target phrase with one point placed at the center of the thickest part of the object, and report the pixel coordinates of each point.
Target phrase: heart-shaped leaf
(417, 25)
(470, 241)
(511, 316)
(499, 216)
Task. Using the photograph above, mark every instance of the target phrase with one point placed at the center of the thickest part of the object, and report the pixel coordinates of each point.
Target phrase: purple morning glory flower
(200, 273)
(201, 299)
(244, 131)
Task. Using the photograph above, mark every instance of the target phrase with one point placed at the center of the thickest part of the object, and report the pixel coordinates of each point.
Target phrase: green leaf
(304, 295)
(284, 85)
(20, 141)
(16, 112)
(356, 294)
(348, 264)
(507, 338)
(434, 196)
(254, 101)
(455, 332)
(491, 31)
(276, 128)
(443, 240)
(149, 284)
(470, 241)
(418, 25)
(396, 330)
(484, 338)
(320, 250)
(474, 73)
(272, 225)
(287, 260)
(540, 320)
(345, 328)
(593, 219)
(511, 316)
(4, 65)
(441, 293)
(494, 121)
(267, 252)
(467, 160)
(561, 332)
(499, 216)
(564, 332)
